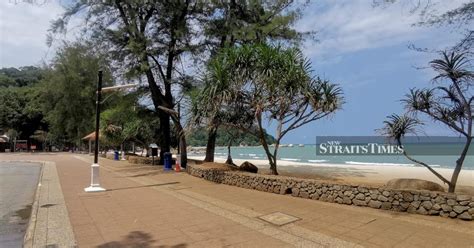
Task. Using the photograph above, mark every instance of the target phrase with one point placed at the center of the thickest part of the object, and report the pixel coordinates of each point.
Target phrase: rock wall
(412, 201)
(146, 160)
(142, 160)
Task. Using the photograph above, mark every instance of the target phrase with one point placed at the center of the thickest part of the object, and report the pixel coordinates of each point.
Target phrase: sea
(307, 154)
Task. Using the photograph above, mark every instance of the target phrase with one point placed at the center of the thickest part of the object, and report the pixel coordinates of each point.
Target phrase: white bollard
(95, 185)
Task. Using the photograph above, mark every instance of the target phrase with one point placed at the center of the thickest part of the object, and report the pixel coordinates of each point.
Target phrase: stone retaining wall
(142, 160)
(412, 201)
(145, 160)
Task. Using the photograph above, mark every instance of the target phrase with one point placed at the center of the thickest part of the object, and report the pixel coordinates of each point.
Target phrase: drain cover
(279, 218)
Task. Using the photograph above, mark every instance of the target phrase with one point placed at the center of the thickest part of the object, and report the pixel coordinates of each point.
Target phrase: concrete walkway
(146, 207)
(49, 223)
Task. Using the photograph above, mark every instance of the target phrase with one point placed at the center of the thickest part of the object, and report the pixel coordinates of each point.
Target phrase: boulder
(463, 198)
(248, 167)
(416, 184)
(375, 204)
(465, 216)
(460, 209)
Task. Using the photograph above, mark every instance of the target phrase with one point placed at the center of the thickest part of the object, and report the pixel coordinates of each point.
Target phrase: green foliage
(261, 78)
(23, 76)
(198, 137)
(126, 120)
(68, 91)
(154, 38)
(245, 22)
(19, 112)
(397, 127)
(261, 82)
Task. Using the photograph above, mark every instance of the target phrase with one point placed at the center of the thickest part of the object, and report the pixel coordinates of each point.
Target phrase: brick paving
(145, 207)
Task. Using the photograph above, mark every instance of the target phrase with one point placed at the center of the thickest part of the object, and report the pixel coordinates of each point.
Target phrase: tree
(247, 22)
(23, 76)
(68, 89)
(128, 121)
(261, 82)
(449, 104)
(198, 137)
(147, 38)
(19, 111)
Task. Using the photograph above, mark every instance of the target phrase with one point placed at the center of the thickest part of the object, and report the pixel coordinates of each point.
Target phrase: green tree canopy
(198, 137)
(19, 111)
(127, 120)
(68, 91)
(20, 77)
(272, 83)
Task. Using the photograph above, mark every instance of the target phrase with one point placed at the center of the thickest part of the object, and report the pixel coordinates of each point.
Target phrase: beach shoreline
(358, 174)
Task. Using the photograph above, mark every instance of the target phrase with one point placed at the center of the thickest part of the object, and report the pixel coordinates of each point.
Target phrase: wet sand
(18, 183)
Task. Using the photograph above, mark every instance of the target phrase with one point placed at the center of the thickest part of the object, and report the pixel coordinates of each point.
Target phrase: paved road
(18, 182)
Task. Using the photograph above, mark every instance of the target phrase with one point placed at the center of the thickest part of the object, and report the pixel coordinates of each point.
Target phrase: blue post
(167, 160)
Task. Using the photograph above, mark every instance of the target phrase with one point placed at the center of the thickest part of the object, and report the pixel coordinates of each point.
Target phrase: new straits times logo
(380, 145)
(336, 147)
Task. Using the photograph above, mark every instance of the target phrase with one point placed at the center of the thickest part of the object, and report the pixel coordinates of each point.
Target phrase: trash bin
(116, 155)
(167, 160)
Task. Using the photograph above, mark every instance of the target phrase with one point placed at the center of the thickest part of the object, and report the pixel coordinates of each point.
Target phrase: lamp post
(95, 184)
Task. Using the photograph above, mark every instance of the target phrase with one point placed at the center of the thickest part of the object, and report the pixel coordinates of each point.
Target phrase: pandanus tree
(248, 22)
(261, 84)
(449, 103)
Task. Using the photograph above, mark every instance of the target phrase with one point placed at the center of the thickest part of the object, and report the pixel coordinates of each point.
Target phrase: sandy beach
(359, 174)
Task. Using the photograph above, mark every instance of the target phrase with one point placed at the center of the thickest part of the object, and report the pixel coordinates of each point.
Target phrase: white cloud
(23, 29)
(344, 26)
(354, 25)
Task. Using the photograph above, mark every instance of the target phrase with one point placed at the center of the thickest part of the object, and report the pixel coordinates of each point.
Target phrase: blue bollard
(167, 161)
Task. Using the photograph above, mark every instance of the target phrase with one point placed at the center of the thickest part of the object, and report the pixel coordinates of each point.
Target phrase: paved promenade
(146, 207)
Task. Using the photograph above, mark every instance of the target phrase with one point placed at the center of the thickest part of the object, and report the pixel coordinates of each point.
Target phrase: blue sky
(365, 50)
(362, 48)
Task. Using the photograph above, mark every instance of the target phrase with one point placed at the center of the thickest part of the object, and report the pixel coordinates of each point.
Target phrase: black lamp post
(95, 185)
(97, 118)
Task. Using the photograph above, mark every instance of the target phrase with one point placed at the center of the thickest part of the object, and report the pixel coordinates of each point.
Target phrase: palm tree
(396, 127)
(257, 83)
(449, 104)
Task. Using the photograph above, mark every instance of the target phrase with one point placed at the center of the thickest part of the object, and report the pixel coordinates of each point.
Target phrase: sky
(362, 48)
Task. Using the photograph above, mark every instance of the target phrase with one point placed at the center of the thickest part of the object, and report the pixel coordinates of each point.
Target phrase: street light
(95, 185)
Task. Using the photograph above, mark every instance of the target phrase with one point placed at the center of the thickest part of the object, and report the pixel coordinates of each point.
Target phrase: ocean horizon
(307, 154)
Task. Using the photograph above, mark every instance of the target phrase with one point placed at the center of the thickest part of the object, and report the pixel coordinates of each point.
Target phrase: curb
(30, 230)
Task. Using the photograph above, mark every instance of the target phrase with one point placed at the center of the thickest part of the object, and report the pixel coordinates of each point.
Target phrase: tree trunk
(211, 144)
(459, 163)
(184, 154)
(444, 180)
(271, 158)
(263, 141)
(165, 139)
(273, 168)
(229, 156)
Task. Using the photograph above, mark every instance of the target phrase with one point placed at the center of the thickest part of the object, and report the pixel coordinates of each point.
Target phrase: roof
(91, 136)
(4, 139)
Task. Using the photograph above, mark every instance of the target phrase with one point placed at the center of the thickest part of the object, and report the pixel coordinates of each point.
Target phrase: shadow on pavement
(143, 186)
(137, 239)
